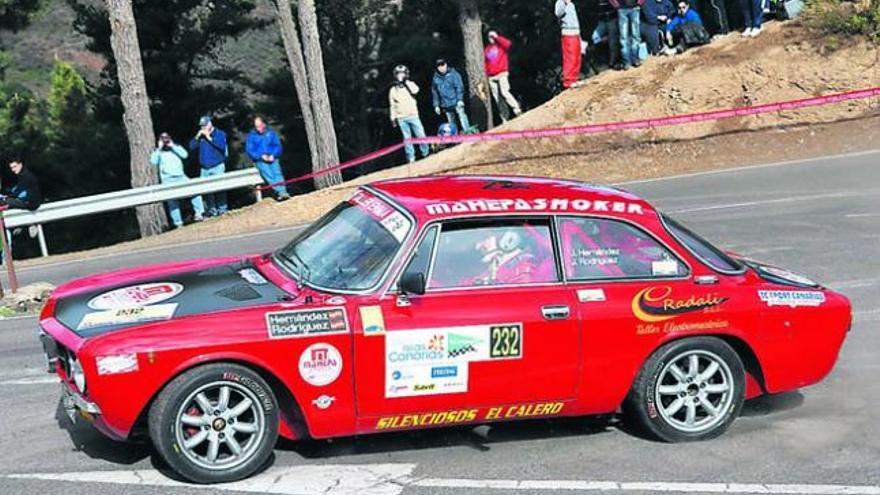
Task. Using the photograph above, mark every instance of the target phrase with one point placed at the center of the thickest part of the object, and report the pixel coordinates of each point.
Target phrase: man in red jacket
(498, 70)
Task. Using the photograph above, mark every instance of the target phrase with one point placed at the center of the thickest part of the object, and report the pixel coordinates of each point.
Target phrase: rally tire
(688, 390)
(215, 423)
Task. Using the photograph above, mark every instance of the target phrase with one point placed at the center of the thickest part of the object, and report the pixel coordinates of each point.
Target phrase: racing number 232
(505, 341)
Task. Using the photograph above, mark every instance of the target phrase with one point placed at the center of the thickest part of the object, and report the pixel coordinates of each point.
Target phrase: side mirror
(412, 283)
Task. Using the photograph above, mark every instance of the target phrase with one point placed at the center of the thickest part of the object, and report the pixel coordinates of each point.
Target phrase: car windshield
(348, 249)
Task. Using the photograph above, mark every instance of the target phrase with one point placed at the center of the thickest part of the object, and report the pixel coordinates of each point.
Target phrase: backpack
(694, 34)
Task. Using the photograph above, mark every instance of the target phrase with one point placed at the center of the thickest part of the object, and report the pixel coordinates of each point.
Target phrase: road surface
(821, 218)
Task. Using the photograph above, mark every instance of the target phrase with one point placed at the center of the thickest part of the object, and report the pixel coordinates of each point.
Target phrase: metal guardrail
(129, 198)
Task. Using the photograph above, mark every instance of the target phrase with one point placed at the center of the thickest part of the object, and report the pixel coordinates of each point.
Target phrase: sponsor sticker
(459, 416)
(390, 219)
(252, 276)
(135, 296)
(125, 316)
(372, 320)
(397, 225)
(413, 381)
(591, 295)
(792, 298)
(306, 322)
(674, 327)
(539, 204)
(320, 364)
(324, 401)
(664, 268)
(335, 300)
(453, 344)
(658, 303)
(113, 365)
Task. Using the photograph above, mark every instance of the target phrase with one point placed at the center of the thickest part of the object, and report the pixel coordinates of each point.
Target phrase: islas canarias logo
(658, 304)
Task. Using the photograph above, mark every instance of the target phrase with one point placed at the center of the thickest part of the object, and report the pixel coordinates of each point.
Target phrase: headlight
(79, 377)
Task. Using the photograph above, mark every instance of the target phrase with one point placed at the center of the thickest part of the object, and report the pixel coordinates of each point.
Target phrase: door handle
(555, 312)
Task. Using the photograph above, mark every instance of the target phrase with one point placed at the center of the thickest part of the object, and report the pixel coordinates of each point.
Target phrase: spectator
(498, 70)
(686, 29)
(714, 16)
(753, 14)
(566, 14)
(628, 12)
(606, 30)
(213, 151)
(447, 90)
(169, 156)
(264, 148)
(657, 14)
(25, 193)
(404, 110)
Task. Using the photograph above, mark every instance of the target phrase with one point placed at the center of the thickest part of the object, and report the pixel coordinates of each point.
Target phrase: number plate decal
(505, 341)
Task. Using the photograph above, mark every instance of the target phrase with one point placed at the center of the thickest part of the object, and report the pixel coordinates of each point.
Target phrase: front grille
(57, 356)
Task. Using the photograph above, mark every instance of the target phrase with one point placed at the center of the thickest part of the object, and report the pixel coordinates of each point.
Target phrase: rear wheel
(215, 423)
(690, 389)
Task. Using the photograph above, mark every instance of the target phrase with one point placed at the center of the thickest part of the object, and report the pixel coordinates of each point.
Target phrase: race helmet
(447, 129)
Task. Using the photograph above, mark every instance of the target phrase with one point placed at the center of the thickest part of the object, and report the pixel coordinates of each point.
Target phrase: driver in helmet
(404, 111)
(507, 260)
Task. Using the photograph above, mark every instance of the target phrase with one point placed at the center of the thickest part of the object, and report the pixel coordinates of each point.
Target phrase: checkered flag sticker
(461, 351)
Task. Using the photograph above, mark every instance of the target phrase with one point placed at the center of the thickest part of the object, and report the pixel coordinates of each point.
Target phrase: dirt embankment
(786, 62)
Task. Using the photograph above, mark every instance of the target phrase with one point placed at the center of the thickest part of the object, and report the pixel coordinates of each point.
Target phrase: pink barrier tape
(602, 128)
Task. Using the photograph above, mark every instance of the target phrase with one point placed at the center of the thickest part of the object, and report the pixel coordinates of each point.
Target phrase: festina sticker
(125, 316)
(135, 296)
(792, 298)
(252, 276)
(305, 322)
(320, 364)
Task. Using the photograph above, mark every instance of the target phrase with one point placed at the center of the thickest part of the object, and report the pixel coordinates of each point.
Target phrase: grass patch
(839, 19)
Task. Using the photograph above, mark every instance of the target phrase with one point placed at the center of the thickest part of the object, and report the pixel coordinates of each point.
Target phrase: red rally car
(438, 301)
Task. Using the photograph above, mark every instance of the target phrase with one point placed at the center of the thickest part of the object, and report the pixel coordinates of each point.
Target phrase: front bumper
(75, 405)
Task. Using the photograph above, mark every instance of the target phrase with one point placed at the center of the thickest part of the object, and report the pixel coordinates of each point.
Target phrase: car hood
(130, 298)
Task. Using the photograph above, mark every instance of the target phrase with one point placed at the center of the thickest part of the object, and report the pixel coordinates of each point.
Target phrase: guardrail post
(258, 194)
(7, 254)
(42, 237)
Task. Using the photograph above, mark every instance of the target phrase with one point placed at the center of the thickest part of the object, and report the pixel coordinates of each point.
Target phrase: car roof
(449, 196)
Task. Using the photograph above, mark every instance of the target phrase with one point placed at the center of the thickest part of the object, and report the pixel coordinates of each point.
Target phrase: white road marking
(854, 284)
(792, 199)
(862, 215)
(41, 380)
(392, 479)
(819, 160)
(339, 479)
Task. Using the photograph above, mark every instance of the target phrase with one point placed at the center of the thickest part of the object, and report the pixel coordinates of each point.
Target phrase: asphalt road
(821, 218)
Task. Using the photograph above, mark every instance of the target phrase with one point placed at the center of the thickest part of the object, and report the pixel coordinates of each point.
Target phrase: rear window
(701, 248)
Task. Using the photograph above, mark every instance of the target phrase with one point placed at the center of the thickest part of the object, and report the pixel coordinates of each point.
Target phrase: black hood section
(212, 289)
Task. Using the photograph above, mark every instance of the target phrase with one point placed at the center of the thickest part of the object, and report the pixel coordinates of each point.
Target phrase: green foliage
(838, 18)
(67, 96)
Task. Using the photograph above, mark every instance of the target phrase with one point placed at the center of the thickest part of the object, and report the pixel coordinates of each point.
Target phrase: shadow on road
(86, 439)
(772, 403)
(480, 437)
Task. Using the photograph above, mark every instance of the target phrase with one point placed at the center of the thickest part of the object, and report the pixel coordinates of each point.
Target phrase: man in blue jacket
(657, 13)
(213, 150)
(264, 148)
(674, 30)
(447, 90)
(169, 157)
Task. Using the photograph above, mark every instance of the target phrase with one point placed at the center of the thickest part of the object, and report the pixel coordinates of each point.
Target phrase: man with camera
(404, 111)
(169, 157)
(213, 151)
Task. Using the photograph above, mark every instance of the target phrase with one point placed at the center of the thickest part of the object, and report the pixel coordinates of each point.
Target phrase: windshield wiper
(293, 259)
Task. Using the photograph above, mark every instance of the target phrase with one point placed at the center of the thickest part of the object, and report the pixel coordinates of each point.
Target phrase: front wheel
(689, 389)
(215, 423)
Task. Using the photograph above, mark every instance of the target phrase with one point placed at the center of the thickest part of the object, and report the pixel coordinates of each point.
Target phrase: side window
(494, 252)
(594, 248)
(421, 260)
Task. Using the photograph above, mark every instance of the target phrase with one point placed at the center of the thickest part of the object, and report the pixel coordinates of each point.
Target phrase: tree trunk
(136, 109)
(293, 49)
(325, 138)
(472, 32)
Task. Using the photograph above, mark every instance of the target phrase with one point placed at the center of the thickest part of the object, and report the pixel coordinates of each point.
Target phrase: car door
(493, 327)
(634, 292)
